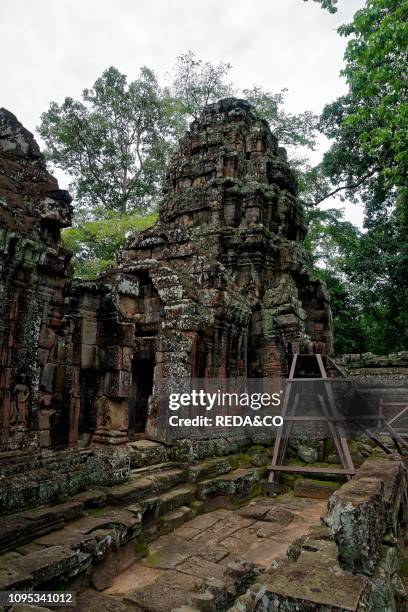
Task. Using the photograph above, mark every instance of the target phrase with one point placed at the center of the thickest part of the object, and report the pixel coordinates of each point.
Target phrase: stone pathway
(210, 559)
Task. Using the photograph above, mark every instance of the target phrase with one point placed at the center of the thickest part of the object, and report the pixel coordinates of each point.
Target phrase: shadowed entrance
(142, 387)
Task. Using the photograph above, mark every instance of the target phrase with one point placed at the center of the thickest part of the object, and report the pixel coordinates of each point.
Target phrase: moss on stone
(141, 545)
(234, 461)
(295, 462)
(323, 483)
(244, 459)
(404, 567)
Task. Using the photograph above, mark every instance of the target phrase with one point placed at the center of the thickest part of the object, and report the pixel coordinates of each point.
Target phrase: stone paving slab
(327, 587)
(208, 560)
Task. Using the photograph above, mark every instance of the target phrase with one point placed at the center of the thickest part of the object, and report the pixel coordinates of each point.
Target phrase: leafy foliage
(330, 239)
(329, 5)
(290, 130)
(369, 161)
(112, 143)
(361, 271)
(370, 123)
(95, 243)
(196, 84)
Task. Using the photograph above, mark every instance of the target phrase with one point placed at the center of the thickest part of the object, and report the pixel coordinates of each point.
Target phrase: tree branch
(349, 187)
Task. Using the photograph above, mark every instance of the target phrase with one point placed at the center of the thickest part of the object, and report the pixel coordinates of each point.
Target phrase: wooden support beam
(312, 470)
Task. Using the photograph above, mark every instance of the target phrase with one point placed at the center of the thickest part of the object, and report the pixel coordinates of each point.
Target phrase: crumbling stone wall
(220, 287)
(226, 261)
(353, 561)
(34, 280)
(368, 364)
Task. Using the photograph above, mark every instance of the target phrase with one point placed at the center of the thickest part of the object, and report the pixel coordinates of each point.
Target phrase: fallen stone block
(357, 519)
(144, 483)
(93, 498)
(240, 482)
(394, 476)
(175, 518)
(16, 531)
(50, 564)
(314, 583)
(147, 452)
(179, 496)
(170, 591)
(14, 578)
(209, 468)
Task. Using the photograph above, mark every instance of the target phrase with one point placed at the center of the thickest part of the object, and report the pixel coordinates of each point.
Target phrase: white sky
(50, 49)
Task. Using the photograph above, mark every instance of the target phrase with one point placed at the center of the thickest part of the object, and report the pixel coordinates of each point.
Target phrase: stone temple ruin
(220, 287)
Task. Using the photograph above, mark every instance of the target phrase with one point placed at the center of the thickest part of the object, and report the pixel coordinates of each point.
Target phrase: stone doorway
(142, 388)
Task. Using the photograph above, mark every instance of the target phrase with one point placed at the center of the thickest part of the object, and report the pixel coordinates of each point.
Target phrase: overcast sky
(50, 49)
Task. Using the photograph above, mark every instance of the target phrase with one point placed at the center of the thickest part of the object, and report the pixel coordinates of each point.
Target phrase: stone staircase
(98, 532)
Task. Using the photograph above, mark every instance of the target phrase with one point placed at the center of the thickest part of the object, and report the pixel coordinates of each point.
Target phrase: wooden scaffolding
(329, 415)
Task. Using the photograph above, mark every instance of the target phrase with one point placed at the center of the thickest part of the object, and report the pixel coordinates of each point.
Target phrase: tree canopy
(116, 141)
(196, 84)
(329, 5)
(369, 125)
(95, 243)
(368, 162)
(113, 143)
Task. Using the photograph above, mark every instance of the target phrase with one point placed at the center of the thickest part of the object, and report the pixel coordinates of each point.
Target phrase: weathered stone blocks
(357, 519)
(363, 511)
(34, 282)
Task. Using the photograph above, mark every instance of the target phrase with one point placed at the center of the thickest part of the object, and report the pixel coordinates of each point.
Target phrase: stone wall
(220, 287)
(34, 282)
(352, 562)
(368, 364)
(383, 381)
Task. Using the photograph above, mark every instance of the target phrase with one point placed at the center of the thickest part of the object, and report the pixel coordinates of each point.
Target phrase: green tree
(369, 161)
(361, 273)
(95, 243)
(196, 84)
(112, 143)
(115, 144)
(370, 123)
(329, 5)
(290, 130)
(332, 242)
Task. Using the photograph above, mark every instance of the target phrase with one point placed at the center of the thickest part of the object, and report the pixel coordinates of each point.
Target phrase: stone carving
(34, 280)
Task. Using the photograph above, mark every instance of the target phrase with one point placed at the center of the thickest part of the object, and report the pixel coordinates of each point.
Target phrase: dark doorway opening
(87, 416)
(142, 387)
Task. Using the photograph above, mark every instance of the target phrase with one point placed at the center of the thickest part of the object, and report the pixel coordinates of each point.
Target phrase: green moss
(244, 459)
(197, 507)
(286, 496)
(324, 483)
(96, 511)
(328, 465)
(141, 545)
(153, 559)
(404, 567)
(257, 491)
(295, 462)
(233, 461)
